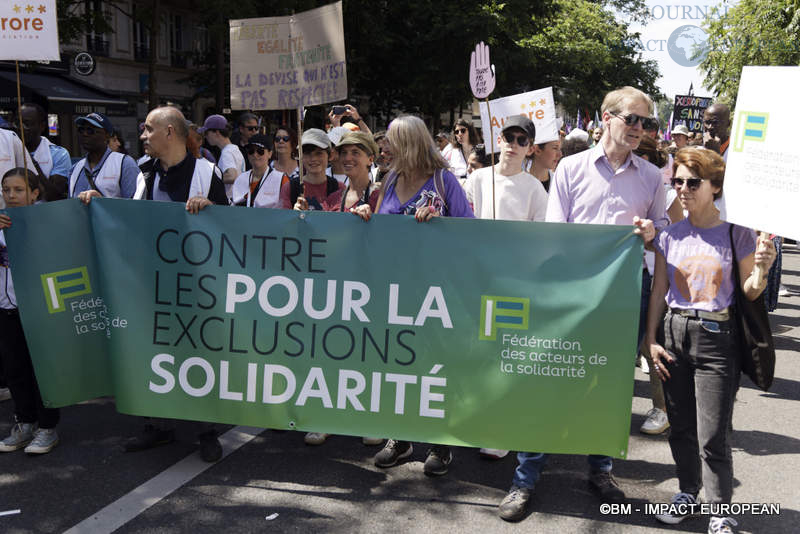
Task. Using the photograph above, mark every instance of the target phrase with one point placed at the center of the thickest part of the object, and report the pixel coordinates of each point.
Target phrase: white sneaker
(371, 441)
(44, 439)
(493, 454)
(656, 422)
(644, 365)
(21, 435)
(316, 438)
(721, 525)
(783, 291)
(5, 394)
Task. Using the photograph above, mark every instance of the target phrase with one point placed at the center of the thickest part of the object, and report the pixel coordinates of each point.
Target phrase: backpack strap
(438, 185)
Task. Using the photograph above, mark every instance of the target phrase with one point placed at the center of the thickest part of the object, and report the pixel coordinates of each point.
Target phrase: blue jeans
(531, 463)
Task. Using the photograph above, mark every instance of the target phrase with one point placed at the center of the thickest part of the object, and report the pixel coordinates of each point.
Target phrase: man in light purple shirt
(607, 184)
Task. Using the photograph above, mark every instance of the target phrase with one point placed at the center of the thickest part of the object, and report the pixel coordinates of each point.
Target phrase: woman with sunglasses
(285, 154)
(694, 348)
(465, 138)
(260, 187)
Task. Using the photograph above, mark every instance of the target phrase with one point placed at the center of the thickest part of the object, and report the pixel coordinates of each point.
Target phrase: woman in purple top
(418, 184)
(694, 349)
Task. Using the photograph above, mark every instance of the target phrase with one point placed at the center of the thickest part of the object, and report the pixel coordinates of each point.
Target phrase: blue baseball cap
(98, 120)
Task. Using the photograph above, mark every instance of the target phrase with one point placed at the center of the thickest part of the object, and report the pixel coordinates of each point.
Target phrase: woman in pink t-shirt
(694, 348)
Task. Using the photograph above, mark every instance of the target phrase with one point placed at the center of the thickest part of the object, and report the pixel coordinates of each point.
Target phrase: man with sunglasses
(518, 196)
(231, 161)
(607, 184)
(102, 172)
(249, 125)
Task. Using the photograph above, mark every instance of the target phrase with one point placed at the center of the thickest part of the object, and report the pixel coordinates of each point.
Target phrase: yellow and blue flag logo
(64, 284)
(750, 126)
(503, 312)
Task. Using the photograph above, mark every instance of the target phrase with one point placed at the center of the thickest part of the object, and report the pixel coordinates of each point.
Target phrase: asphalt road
(275, 483)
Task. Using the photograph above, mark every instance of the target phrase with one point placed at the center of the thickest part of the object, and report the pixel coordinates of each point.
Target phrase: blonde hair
(413, 149)
(615, 101)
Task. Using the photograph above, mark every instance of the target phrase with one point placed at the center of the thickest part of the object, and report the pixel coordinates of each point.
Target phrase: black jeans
(16, 361)
(700, 392)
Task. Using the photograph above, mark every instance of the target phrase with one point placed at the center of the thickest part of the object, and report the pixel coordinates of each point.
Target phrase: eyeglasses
(691, 183)
(284, 138)
(460, 130)
(711, 122)
(522, 139)
(253, 149)
(648, 123)
(86, 130)
(251, 128)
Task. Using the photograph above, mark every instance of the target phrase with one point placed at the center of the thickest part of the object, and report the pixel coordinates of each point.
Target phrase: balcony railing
(97, 45)
(141, 53)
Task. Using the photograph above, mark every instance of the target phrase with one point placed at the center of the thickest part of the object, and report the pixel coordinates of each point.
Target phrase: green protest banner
(481, 333)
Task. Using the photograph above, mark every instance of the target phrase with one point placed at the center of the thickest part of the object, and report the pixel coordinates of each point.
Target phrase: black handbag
(756, 347)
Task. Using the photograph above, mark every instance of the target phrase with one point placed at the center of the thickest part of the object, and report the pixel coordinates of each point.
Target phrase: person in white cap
(316, 187)
(680, 138)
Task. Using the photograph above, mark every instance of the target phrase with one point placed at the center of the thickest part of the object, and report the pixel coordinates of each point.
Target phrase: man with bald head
(716, 122)
(174, 174)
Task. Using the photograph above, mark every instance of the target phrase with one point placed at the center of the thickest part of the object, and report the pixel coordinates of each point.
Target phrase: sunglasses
(691, 183)
(648, 123)
(284, 138)
(522, 139)
(251, 128)
(460, 130)
(253, 149)
(86, 130)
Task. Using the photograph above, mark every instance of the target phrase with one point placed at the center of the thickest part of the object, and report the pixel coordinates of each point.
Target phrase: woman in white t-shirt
(466, 137)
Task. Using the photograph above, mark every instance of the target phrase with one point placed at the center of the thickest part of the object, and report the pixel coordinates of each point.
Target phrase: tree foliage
(413, 56)
(752, 32)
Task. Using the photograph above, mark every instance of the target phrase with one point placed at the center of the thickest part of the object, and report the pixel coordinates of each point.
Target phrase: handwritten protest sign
(29, 30)
(689, 111)
(537, 105)
(481, 72)
(288, 62)
(762, 178)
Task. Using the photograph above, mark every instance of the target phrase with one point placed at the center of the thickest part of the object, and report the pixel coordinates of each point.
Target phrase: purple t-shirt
(699, 262)
(456, 200)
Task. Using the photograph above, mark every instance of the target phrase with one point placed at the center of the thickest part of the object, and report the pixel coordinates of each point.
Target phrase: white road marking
(140, 499)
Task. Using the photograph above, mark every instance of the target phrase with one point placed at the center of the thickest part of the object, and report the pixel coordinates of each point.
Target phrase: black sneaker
(393, 452)
(210, 447)
(150, 437)
(604, 485)
(514, 504)
(439, 457)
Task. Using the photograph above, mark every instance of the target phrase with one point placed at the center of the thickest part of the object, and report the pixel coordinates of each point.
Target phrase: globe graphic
(684, 42)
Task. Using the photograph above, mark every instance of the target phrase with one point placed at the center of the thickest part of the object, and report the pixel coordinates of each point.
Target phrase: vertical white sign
(762, 177)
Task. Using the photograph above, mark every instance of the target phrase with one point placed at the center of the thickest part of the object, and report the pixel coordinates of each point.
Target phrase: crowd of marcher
(618, 173)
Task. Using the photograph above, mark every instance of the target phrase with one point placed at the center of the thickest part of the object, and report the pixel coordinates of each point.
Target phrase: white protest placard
(288, 62)
(537, 105)
(762, 176)
(29, 30)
